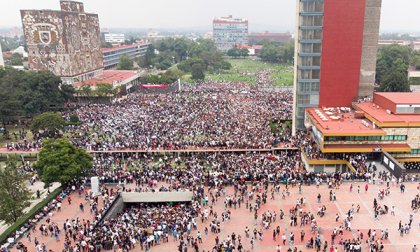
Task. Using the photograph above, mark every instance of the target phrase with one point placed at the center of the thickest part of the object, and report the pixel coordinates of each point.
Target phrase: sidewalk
(33, 188)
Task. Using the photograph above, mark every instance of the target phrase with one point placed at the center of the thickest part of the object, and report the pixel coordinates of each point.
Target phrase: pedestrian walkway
(38, 185)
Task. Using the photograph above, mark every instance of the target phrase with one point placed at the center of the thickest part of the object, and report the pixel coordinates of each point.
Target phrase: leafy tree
(278, 53)
(396, 79)
(165, 64)
(49, 122)
(60, 161)
(15, 60)
(10, 104)
(104, 89)
(172, 75)
(74, 119)
(197, 71)
(14, 195)
(185, 66)
(27, 93)
(243, 52)
(416, 62)
(86, 90)
(391, 57)
(125, 63)
(234, 52)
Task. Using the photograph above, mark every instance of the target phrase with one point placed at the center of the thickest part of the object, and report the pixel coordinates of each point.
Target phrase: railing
(327, 162)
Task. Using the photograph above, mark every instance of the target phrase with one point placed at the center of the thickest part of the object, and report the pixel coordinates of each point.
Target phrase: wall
(413, 135)
(65, 43)
(370, 46)
(341, 51)
(384, 103)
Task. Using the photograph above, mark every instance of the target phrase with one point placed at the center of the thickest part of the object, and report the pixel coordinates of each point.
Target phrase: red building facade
(335, 53)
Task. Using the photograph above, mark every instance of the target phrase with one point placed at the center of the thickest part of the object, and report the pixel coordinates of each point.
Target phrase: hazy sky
(397, 15)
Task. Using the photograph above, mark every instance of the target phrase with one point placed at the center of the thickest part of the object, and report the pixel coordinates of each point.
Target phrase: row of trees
(195, 57)
(237, 52)
(101, 90)
(278, 53)
(392, 67)
(28, 93)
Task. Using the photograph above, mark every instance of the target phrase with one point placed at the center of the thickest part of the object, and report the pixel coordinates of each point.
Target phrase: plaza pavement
(241, 217)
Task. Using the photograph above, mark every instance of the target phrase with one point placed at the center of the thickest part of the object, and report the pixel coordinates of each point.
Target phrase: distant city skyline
(273, 15)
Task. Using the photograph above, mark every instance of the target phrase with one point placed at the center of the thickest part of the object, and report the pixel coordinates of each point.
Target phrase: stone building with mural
(65, 42)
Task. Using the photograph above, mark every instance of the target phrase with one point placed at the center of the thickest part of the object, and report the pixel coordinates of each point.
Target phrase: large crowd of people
(211, 116)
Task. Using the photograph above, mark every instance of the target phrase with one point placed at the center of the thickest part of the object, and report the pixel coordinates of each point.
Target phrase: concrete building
(65, 42)
(229, 31)
(1, 57)
(389, 123)
(112, 55)
(335, 53)
(114, 38)
(127, 80)
(269, 36)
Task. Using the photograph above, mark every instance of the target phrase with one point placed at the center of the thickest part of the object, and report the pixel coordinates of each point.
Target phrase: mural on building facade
(65, 42)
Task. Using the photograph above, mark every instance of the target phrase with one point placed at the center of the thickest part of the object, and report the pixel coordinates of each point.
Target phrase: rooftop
(108, 77)
(342, 122)
(116, 48)
(401, 97)
(383, 118)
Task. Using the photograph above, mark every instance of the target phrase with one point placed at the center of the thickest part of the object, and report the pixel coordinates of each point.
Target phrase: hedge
(29, 215)
(414, 81)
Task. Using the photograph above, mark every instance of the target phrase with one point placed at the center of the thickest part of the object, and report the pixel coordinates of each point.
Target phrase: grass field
(282, 75)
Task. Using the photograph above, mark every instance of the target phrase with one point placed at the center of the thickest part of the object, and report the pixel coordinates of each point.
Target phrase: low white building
(114, 38)
(21, 50)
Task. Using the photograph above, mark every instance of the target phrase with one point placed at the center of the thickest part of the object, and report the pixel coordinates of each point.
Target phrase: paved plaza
(242, 217)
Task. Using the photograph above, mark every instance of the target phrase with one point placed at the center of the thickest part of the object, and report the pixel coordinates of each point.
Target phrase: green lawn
(282, 75)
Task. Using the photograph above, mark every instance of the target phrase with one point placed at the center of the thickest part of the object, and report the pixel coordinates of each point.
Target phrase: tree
(60, 161)
(125, 63)
(391, 57)
(86, 90)
(104, 89)
(14, 195)
(416, 62)
(278, 53)
(49, 122)
(15, 60)
(243, 52)
(234, 52)
(10, 104)
(165, 64)
(396, 79)
(197, 71)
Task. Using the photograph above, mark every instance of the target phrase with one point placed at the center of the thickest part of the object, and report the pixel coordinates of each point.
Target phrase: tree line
(392, 66)
(194, 57)
(281, 53)
(28, 93)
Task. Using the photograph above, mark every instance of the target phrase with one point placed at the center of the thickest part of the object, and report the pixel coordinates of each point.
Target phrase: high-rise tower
(335, 53)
